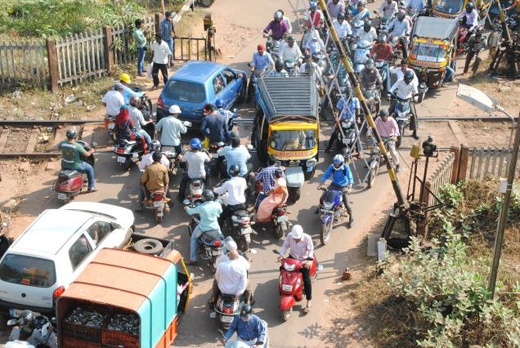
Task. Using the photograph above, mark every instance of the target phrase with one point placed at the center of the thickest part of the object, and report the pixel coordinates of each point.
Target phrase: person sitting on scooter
(24, 334)
(266, 176)
(399, 26)
(71, 153)
(368, 33)
(400, 70)
(127, 92)
(261, 62)
(154, 178)
(388, 131)
(277, 26)
(347, 109)
(147, 159)
(278, 71)
(335, 8)
(302, 249)
(310, 67)
(341, 179)
(405, 89)
(315, 45)
(476, 44)
(171, 129)
(382, 51)
(125, 128)
(370, 80)
(276, 197)
(342, 27)
(138, 120)
(250, 329)
(469, 16)
(388, 9)
(197, 167)
(236, 154)
(214, 125)
(360, 13)
(208, 227)
(291, 51)
(235, 187)
(314, 17)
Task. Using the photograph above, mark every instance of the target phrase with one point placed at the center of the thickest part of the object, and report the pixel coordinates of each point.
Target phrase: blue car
(197, 83)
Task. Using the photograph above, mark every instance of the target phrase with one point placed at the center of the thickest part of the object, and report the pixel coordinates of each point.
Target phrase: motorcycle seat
(68, 173)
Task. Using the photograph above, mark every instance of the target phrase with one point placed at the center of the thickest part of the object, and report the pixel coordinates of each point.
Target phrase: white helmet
(297, 232)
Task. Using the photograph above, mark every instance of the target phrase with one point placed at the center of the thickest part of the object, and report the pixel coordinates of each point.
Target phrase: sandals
(307, 309)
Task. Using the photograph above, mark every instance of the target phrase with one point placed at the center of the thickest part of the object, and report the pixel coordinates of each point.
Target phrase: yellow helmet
(125, 78)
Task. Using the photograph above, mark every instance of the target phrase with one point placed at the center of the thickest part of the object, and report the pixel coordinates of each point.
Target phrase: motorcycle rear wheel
(242, 244)
(156, 216)
(372, 175)
(286, 314)
(205, 3)
(125, 165)
(294, 193)
(326, 231)
(279, 230)
(400, 136)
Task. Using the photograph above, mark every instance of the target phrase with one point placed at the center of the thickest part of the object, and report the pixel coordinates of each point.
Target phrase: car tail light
(160, 103)
(57, 293)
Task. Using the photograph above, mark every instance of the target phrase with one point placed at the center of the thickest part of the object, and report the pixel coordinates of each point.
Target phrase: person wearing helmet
(171, 129)
(214, 125)
(347, 109)
(236, 154)
(301, 248)
(370, 81)
(469, 16)
(197, 161)
(154, 178)
(341, 179)
(382, 51)
(138, 120)
(250, 329)
(335, 8)
(140, 43)
(388, 131)
(43, 333)
(388, 9)
(277, 27)
(286, 20)
(235, 187)
(315, 44)
(399, 26)
(208, 227)
(147, 159)
(128, 92)
(113, 100)
(415, 6)
(368, 33)
(291, 51)
(278, 71)
(400, 70)
(406, 89)
(276, 197)
(342, 27)
(25, 319)
(72, 154)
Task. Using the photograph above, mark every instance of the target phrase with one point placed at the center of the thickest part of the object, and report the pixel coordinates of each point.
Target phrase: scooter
(195, 188)
(403, 112)
(157, 203)
(226, 308)
(272, 47)
(128, 152)
(70, 183)
(290, 283)
(214, 164)
(332, 210)
(291, 67)
(362, 50)
(241, 224)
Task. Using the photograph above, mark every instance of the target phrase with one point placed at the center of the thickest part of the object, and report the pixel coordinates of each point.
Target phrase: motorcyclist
(113, 100)
(370, 80)
(236, 154)
(347, 108)
(21, 341)
(341, 179)
(276, 197)
(266, 176)
(228, 114)
(476, 44)
(154, 178)
(314, 17)
(388, 9)
(382, 51)
(277, 26)
(399, 26)
(197, 166)
(262, 61)
(335, 8)
(291, 51)
(214, 125)
(406, 89)
(360, 13)
(208, 227)
(368, 33)
(71, 154)
(171, 129)
(389, 131)
(301, 249)
(147, 159)
(235, 187)
(315, 44)
(25, 319)
(415, 5)
(278, 71)
(43, 333)
(310, 67)
(128, 92)
(138, 120)
(469, 16)
(250, 329)
(342, 27)
(400, 70)
(286, 20)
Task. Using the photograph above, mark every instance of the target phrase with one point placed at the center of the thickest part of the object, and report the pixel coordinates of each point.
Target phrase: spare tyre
(148, 246)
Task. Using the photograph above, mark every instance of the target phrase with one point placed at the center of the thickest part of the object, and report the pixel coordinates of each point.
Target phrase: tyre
(125, 166)
(294, 193)
(156, 216)
(148, 246)
(372, 175)
(309, 175)
(149, 106)
(279, 230)
(326, 230)
(242, 244)
(243, 93)
(205, 3)
(286, 314)
(400, 136)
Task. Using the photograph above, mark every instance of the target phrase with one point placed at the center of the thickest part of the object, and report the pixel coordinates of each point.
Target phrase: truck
(286, 126)
(126, 298)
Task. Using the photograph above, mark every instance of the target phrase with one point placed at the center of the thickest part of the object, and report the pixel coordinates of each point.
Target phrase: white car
(54, 250)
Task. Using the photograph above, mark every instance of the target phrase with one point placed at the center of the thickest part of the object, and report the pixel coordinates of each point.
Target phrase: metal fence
(23, 63)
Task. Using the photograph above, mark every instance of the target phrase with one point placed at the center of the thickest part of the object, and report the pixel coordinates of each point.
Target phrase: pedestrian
(161, 51)
(140, 42)
(168, 34)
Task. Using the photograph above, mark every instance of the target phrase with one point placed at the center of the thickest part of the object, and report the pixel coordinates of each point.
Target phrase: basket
(82, 333)
(111, 338)
(74, 343)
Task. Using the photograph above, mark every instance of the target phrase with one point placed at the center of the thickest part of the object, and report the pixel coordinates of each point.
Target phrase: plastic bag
(149, 70)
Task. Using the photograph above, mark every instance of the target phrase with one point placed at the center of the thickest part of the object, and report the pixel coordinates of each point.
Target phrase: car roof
(51, 229)
(197, 71)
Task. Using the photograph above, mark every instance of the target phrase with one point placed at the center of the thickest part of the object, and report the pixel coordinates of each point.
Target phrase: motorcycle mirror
(276, 252)
(186, 202)
(12, 322)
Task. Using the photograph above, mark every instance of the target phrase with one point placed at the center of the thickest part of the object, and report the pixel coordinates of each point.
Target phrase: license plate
(216, 252)
(287, 287)
(226, 319)
(158, 204)
(309, 169)
(62, 196)
(121, 159)
(282, 218)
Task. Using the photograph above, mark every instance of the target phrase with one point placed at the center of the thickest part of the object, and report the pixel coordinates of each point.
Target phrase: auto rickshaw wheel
(294, 193)
(309, 175)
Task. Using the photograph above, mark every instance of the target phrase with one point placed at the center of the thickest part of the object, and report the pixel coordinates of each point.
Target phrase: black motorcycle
(128, 152)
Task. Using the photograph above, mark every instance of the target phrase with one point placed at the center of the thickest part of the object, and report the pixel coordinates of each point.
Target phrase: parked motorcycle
(128, 152)
(156, 202)
(70, 183)
(361, 53)
(404, 110)
(332, 210)
(39, 325)
(290, 283)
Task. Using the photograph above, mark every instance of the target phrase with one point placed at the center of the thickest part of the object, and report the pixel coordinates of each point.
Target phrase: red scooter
(290, 283)
(70, 183)
(157, 203)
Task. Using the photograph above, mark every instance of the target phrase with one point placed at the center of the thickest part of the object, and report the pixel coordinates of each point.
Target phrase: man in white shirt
(315, 44)
(310, 67)
(171, 129)
(388, 9)
(415, 5)
(113, 100)
(197, 161)
(405, 89)
(342, 27)
(147, 159)
(399, 71)
(235, 187)
(161, 53)
(368, 33)
(137, 117)
(291, 51)
(399, 26)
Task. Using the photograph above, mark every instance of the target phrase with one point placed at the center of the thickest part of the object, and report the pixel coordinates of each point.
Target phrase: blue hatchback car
(197, 83)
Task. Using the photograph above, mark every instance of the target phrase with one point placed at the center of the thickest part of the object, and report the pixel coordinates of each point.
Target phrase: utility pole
(499, 239)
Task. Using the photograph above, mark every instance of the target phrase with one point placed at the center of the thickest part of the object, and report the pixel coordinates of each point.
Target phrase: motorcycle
(272, 47)
(40, 326)
(128, 152)
(291, 67)
(70, 183)
(382, 67)
(157, 203)
(404, 110)
(279, 218)
(174, 162)
(195, 188)
(464, 35)
(320, 58)
(376, 160)
(361, 52)
(290, 283)
(210, 243)
(332, 210)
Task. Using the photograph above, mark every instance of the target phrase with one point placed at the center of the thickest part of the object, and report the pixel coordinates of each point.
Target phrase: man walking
(161, 51)
(168, 34)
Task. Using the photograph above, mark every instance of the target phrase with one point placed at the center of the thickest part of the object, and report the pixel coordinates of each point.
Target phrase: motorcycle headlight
(311, 162)
(289, 267)
(328, 205)
(346, 124)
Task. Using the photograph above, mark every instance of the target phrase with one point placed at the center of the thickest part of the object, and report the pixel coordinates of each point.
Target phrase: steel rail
(21, 123)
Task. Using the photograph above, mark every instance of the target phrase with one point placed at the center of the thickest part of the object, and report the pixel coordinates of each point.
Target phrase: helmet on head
(382, 38)
(469, 7)
(278, 15)
(134, 101)
(195, 144)
(124, 77)
(338, 160)
(408, 76)
(234, 170)
(278, 65)
(291, 39)
(40, 321)
(246, 310)
(71, 133)
(278, 173)
(208, 195)
(26, 317)
(341, 16)
(401, 15)
(156, 145)
(367, 26)
(313, 4)
(296, 232)
(369, 64)
(360, 4)
(219, 103)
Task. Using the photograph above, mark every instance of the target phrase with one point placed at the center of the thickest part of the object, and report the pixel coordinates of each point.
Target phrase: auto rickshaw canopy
(435, 28)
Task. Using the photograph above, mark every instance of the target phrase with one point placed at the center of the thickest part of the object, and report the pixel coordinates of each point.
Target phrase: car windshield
(449, 6)
(185, 91)
(26, 270)
(428, 52)
(283, 140)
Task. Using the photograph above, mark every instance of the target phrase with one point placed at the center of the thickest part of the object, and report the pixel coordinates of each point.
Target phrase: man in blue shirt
(208, 228)
(262, 61)
(213, 125)
(236, 154)
(168, 33)
(128, 92)
(342, 180)
(347, 110)
(250, 329)
(266, 176)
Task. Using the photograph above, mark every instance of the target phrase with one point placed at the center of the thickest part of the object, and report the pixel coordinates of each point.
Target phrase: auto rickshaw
(453, 8)
(433, 45)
